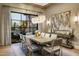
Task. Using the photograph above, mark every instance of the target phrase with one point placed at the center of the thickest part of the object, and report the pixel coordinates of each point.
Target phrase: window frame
(29, 15)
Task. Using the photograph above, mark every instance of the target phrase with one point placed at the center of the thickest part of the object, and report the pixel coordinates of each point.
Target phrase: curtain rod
(21, 8)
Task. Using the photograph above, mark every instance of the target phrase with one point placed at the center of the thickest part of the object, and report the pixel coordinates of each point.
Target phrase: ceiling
(41, 4)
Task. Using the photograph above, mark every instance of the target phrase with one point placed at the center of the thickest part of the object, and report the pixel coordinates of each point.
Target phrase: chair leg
(30, 53)
(21, 45)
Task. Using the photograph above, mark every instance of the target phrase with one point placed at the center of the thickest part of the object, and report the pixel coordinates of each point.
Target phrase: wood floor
(14, 50)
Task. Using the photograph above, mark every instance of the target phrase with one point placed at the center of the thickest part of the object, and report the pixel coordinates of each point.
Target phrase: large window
(22, 22)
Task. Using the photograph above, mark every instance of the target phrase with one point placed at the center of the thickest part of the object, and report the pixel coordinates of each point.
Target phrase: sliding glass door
(21, 23)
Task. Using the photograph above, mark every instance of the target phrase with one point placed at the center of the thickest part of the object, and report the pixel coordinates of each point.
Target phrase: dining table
(39, 40)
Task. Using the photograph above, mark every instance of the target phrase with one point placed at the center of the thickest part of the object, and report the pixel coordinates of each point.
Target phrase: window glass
(16, 16)
(16, 23)
(22, 23)
(25, 17)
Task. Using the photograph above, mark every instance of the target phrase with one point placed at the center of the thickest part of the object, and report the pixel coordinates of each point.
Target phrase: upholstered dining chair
(54, 49)
(47, 36)
(31, 48)
(42, 34)
(20, 36)
(22, 41)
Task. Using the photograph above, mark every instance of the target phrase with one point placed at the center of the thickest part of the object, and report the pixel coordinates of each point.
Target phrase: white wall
(74, 8)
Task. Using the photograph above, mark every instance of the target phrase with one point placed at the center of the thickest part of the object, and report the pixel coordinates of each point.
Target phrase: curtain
(5, 26)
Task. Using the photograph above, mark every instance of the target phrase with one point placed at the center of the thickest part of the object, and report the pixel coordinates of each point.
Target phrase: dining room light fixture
(48, 22)
(39, 19)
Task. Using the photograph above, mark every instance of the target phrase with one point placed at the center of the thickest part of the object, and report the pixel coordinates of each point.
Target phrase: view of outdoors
(21, 22)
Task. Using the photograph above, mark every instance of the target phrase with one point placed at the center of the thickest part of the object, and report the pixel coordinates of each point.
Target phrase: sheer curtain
(5, 26)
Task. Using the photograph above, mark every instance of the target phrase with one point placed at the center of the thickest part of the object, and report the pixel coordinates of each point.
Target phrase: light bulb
(76, 19)
(48, 22)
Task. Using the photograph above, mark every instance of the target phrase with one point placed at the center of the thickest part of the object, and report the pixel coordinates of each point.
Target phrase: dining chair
(20, 36)
(53, 36)
(54, 49)
(42, 34)
(29, 33)
(22, 41)
(47, 36)
(31, 48)
(56, 44)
